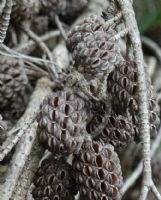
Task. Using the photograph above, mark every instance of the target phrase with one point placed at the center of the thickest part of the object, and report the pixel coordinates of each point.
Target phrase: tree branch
(60, 27)
(29, 46)
(28, 172)
(130, 21)
(45, 49)
(153, 46)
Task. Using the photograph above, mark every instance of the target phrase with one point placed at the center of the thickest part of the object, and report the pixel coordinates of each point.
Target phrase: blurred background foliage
(148, 14)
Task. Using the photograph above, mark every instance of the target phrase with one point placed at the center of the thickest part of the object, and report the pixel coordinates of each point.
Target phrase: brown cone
(62, 122)
(53, 180)
(117, 130)
(122, 83)
(93, 52)
(98, 172)
(13, 82)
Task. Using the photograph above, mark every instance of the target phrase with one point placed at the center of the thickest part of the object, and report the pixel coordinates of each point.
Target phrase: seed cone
(62, 122)
(93, 52)
(122, 83)
(114, 129)
(98, 172)
(53, 180)
(13, 82)
(24, 10)
(3, 129)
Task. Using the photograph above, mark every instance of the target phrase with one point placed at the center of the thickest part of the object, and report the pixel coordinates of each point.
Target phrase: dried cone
(24, 10)
(53, 180)
(110, 127)
(3, 129)
(122, 83)
(62, 122)
(98, 172)
(54, 6)
(13, 82)
(114, 129)
(93, 52)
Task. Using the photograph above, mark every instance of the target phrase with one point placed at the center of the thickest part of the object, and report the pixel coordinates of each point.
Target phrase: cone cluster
(93, 134)
(122, 83)
(93, 110)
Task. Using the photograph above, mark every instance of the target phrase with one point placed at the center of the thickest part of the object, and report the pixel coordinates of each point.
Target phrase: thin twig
(120, 35)
(28, 172)
(22, 151)
(153, 46)
(61, 55)
(155, 192)
(42, 89)
(60, 26)
(28, 47)
(151, 65)
(13, 34)
(35, 73)
(39, 42)
(33, 67)
(23, 37)
(45, 49)
(113, 20)
(130, 21)
(2, 5)
(137, 172)
(6, 51)
(129, 49)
